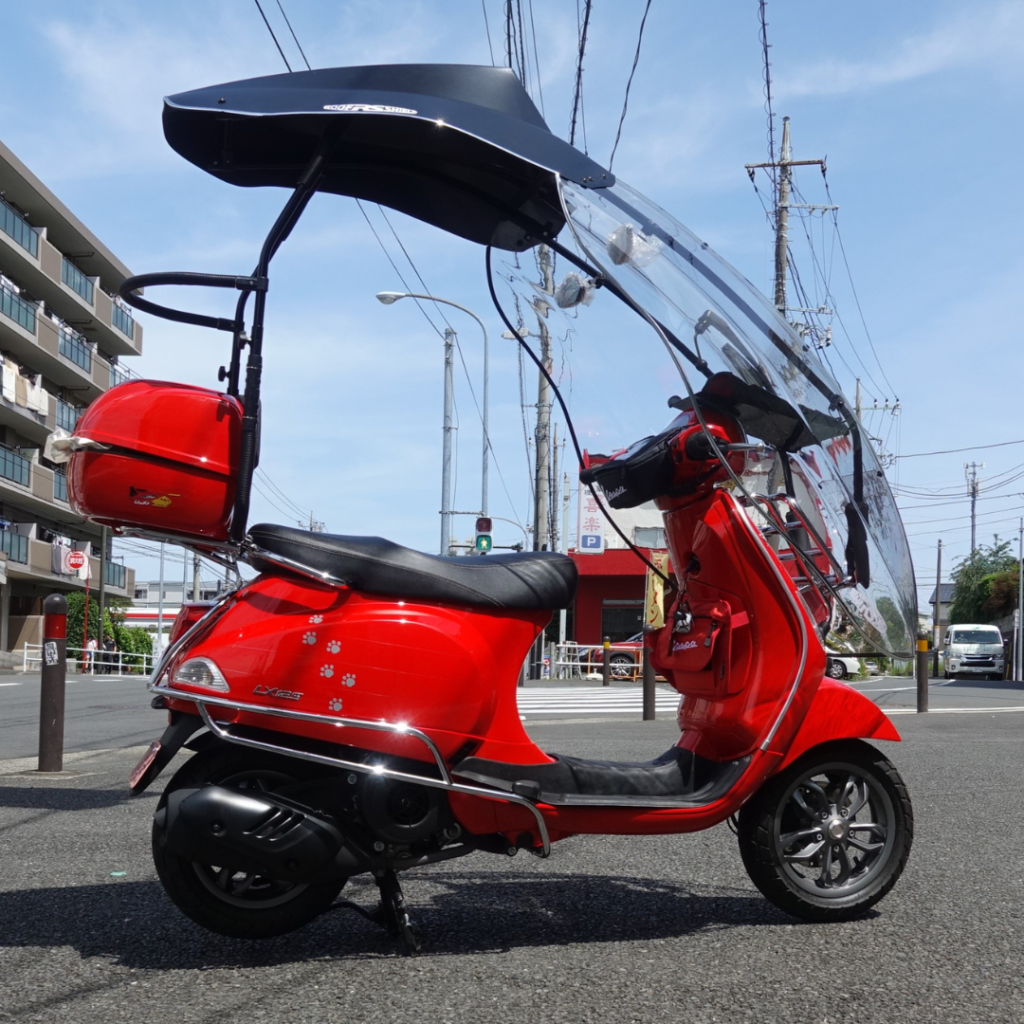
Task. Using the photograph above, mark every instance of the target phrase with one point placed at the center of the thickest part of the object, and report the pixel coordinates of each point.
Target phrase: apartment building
(62, 341)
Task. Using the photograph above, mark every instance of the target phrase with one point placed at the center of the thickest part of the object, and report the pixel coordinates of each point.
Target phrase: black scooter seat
(677, 778)
(535, 580)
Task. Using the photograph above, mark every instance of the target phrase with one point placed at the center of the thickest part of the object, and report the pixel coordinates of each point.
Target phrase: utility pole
(782, 220)
(542, 434)
(937, 613)
(1018, 637)
(564, 546)
(197, 582)
(541, 490)
(446, 457)
(971, 473)
(857, 401)
(553, 516)
(784, 165)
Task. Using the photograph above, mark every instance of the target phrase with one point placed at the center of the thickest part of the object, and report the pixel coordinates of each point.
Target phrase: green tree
(973, 580)
(131, 640)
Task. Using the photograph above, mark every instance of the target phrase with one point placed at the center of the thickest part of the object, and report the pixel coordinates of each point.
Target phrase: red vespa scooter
(352, 709)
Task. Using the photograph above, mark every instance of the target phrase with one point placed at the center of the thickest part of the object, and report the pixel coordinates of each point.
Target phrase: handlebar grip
(129, 285)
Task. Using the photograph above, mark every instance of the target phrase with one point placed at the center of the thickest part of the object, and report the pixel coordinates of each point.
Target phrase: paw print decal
(309, 638)
(316, 619)
(333, 646)
(334, 704)
(348, 679)
(327, 671)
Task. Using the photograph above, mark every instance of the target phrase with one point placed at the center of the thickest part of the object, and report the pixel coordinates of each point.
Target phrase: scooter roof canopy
(457, 146)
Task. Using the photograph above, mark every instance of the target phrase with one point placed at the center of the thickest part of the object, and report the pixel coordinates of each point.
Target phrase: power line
(294, 36)
(272, 36)
(577, 99)
(629, 83)
(487, 29)
(955, 451)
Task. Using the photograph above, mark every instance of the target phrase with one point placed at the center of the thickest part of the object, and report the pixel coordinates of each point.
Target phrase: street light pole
(388, 298)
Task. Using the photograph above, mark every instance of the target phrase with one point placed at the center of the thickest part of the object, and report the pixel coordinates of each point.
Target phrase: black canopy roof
(457, 146)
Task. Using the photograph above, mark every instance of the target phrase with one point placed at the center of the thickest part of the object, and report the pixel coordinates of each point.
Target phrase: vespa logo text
(268, 691)
(612, 495)
(366, 108)
(686, 645)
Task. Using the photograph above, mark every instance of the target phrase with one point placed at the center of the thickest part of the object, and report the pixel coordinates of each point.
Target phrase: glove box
(160, 457)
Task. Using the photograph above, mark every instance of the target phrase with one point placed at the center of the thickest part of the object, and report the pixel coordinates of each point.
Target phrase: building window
(14, 467)
(14, 224)
(15, 307)
(60, 484)
(15, 545)
(76, 280)
(73, 346)
(649, 536)
(621, 619)
(67, 415)
(123, 321)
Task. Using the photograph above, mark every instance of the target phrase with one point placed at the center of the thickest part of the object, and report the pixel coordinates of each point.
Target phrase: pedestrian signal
(484, 542)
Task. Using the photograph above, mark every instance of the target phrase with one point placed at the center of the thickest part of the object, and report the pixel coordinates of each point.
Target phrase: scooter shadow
(135, 924)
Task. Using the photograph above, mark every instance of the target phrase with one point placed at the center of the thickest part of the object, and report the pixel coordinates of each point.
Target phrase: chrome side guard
(223, 731)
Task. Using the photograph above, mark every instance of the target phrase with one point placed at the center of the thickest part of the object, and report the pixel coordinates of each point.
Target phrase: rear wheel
(828, 837)
(221, 898)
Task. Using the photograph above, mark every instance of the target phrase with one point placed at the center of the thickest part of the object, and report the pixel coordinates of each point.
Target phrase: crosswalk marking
(592, 700)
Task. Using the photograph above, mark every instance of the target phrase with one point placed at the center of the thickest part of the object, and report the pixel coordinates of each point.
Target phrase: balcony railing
(123, 321)
(60, 485)
(20, 311)
(76, 280)
(74, 347)
(14, 466)
(67, 415)
(12, 223)
(114, 574)
(118, 374)
(15, 545)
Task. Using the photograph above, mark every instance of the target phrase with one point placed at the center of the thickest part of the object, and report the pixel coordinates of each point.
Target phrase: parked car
(841, 666)
(626, 658)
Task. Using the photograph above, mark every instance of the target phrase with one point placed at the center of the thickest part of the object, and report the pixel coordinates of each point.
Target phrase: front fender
(838, 712)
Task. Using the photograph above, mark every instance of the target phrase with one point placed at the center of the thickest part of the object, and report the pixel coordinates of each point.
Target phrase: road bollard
(606, 665)
(51, 691)
(922, 673)
(649, 690)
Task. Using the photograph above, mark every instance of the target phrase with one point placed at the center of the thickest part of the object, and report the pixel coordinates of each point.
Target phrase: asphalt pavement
(608, 929)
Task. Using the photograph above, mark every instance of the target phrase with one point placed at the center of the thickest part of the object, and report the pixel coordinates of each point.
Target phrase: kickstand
(392, 913)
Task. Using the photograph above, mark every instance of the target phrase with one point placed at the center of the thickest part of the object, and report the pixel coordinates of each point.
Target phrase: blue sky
(917, 107)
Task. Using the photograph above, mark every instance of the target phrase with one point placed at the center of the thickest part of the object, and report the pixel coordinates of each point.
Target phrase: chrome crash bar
(445, 782)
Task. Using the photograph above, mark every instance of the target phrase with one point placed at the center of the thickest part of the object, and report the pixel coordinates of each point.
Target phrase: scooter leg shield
(214, 825)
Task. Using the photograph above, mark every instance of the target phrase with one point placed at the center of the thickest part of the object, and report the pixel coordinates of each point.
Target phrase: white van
(972, 650)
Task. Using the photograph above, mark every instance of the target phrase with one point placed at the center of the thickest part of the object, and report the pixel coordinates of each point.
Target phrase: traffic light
(484, 543)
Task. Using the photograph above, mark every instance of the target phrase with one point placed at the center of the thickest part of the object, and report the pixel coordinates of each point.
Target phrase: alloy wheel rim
(834, 831)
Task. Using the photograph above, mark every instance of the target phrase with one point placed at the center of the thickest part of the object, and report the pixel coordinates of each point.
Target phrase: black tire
(621, 666)
(836, 669)
(239, 904)
(826, 880)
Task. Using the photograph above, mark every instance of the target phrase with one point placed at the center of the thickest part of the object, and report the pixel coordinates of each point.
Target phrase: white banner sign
(589, 525)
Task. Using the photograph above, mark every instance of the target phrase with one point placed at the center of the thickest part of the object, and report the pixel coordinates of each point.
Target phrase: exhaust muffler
(264, 834)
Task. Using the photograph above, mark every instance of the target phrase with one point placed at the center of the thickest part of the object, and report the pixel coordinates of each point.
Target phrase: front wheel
(219, 897)
(829, 836)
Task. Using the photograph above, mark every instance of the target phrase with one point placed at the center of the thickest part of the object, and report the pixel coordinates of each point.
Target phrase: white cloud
(989, 37)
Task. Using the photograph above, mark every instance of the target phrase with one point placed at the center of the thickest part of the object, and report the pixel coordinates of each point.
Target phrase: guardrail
(93, 663)
(580, 661)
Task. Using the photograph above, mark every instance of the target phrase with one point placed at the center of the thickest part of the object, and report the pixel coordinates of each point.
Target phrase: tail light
(189, 615)
(201, 672)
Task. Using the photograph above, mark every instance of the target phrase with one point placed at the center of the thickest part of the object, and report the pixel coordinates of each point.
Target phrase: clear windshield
(726, 336)
(976, 636)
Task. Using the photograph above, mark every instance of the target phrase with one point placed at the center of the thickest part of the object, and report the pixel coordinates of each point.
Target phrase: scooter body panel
(449, 671)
